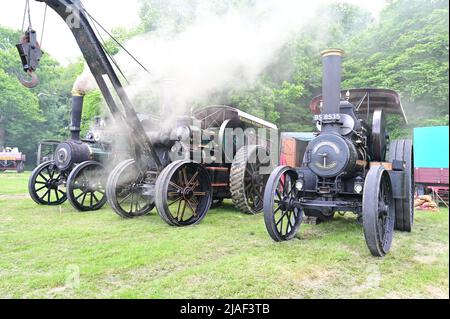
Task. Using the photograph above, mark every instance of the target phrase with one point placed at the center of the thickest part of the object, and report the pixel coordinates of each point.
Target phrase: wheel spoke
(194, 212)
(175, 201)
(281, 218)
(41, 188)
(176, 186)
(45, 178)
(83, 199)
(131, 202)
(193, 178)
(182, 212)
(125, 198)
(91, 200)
(45, 194)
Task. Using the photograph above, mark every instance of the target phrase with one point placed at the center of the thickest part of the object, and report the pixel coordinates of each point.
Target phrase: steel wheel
(281, 217)
(47, 185)
(183, 193)
(402, 150)
(86, 186)
(246, 182)
(124, 191)
(378, 211)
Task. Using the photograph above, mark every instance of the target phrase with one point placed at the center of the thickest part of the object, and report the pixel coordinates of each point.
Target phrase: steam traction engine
(76, 171)
(216, 162)
(349, 166)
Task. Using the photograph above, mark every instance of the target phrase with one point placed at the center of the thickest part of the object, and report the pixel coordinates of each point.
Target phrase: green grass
(56, 252)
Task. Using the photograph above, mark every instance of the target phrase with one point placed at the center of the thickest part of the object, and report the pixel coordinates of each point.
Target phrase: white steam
(213, 53)
(85, 82)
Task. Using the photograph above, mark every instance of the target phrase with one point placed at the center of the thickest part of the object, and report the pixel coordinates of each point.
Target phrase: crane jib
(72, 12)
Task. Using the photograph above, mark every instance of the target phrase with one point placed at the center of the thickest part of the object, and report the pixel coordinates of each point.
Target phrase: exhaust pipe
(77, 109)
(331, 80)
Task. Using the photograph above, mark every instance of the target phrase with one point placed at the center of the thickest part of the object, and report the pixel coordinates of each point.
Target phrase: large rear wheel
(402, 150)
(378, 211)
(281, 216)
(183, 193)
(247, 184)
(125, 193)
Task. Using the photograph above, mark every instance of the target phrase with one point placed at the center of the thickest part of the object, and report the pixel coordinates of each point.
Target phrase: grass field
(56, 252)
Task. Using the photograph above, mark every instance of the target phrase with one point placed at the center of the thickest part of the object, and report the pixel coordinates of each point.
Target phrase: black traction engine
(350, 166)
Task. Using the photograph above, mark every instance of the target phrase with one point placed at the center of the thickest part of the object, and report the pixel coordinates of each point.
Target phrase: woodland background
(405, 49)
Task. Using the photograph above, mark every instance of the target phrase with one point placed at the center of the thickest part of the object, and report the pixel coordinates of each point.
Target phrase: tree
(19, 113)
(406, 51)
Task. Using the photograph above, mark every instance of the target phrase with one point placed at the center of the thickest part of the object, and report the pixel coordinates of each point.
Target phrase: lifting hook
(34, 81)
(30, 55)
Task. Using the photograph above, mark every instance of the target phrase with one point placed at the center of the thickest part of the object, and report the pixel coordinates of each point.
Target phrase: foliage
(19, 113)
(28, 116)
(405, 49)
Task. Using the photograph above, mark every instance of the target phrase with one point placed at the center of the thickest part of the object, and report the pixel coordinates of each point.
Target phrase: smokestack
(77, 108)
(83, 84)
(331, 81)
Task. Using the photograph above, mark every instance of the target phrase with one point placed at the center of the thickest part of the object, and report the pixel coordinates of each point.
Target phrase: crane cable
(116, 41)
(43, 24)
(27, 13)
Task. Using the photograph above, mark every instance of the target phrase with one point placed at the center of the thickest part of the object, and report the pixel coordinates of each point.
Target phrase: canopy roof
(215, 115)
(366, 100)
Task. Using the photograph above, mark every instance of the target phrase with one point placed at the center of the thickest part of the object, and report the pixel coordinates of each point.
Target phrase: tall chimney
(75, 121)
(331, 80)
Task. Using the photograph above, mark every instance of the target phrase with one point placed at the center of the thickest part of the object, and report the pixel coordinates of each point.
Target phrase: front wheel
(378, 211)
(281, 216)
(86, 186)
(47, 185)
(124, 191)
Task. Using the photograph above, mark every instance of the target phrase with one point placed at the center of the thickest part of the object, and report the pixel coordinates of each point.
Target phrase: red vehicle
(12, 160)
(431, 147)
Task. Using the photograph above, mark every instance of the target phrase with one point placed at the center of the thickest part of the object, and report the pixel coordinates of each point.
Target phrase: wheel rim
(384, 218)
(128, 199)
(378, 211)
(86, 187)
(281, 215)
(186, 196)
(47, 185)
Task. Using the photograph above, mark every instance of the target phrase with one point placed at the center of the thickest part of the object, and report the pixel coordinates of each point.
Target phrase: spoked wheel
(183, 193)
(281, 217)
(124, 191)
(402, 150)
(86, 186)
(247, 184)
(47, 184)
(378, 211)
